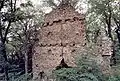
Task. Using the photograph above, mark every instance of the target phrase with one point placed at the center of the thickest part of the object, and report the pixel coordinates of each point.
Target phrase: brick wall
(61, 36)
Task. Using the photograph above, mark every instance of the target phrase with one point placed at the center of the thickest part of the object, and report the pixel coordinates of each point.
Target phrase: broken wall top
(63, 12)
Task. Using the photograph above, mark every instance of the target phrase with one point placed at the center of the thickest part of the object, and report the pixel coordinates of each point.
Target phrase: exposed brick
(60, 37)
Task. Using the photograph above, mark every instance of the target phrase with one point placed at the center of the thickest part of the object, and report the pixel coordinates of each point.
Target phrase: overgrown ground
(87, 70)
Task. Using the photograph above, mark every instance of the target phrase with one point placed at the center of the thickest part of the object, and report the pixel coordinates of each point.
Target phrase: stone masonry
(62, 35)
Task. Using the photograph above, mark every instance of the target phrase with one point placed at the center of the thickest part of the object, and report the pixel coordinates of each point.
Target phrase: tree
(52, 4)
(7, 16)
(103, 12)
(24, 32)
(116, 18)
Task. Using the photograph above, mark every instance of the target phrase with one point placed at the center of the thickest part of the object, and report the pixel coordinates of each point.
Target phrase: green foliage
(53, 4)
(22, 78)
(114, 78)
(100, 13)
(87, 70)
(72, 74)
(87, 64)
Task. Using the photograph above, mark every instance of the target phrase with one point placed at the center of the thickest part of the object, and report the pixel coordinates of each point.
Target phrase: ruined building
(61, 36)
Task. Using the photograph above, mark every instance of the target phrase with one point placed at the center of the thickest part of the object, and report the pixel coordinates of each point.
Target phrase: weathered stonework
(61, 36)
(105, 51)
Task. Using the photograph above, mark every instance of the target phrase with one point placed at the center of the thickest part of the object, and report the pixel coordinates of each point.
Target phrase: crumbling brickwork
(60, 37)
(105, 51)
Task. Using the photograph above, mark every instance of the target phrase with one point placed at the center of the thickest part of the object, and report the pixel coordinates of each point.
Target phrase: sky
(48, 9)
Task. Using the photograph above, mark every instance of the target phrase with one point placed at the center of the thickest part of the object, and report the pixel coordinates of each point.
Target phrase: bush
(87, 64)
(114, 78)
(73, 74)
(87, 70)
(22, 78)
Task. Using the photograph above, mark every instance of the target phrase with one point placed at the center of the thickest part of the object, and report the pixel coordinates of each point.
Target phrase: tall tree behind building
(101, 14)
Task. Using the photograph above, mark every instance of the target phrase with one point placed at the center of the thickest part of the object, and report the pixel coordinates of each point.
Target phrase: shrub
(22, 78)
(87, 64)
(114, 78)
(86, 70)
(73, 74)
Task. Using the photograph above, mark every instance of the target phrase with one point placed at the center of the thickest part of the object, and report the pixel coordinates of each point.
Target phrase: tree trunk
(3, 60)
(26, 59)
(109, 32)
(113, 59)
(118, 34)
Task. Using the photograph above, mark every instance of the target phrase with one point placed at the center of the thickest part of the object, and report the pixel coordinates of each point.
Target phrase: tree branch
(15, 6)
(2, 4)
(6, 32)
(20, 37)
(116, 22)
(1, 35)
